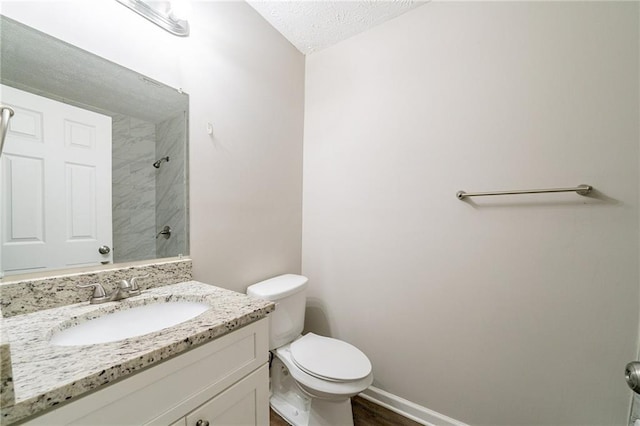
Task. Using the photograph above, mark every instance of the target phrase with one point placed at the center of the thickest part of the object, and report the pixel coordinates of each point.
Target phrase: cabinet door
(245, 403)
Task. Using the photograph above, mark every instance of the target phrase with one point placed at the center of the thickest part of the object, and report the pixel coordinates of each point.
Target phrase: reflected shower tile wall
(171, 206)
(134, 194)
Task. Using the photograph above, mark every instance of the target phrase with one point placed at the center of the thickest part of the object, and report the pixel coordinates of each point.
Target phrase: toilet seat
(329, 359)
(318, 387)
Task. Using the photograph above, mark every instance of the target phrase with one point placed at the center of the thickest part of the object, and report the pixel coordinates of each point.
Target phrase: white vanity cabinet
(223, 382)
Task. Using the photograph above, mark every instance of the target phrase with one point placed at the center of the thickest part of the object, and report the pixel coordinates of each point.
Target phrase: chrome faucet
(99, 295)
(124, 290)
(134, 290)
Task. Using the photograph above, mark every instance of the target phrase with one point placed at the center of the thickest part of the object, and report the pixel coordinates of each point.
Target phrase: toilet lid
(329, 358)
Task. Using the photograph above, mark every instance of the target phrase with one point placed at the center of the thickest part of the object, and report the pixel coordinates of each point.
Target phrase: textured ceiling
(313, 25)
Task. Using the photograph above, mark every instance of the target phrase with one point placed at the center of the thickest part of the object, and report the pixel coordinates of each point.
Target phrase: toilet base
(293, 415)
(299, 409)
(320, 413)
(330, 413)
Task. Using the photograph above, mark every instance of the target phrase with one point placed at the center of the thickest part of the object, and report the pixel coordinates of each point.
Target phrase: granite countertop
(45, 375)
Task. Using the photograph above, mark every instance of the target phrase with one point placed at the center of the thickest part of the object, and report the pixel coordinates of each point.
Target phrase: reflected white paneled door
(55, 177)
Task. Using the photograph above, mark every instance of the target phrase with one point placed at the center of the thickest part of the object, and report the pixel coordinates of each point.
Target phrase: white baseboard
(408, 409)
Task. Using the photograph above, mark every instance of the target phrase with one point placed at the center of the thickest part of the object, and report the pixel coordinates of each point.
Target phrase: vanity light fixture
(165, 14)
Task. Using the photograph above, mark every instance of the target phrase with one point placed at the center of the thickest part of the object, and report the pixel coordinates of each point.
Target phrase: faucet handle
(99, 295)
(134, 285)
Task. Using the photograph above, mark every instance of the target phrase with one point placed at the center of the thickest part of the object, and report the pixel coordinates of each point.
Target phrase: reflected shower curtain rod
(580, 189)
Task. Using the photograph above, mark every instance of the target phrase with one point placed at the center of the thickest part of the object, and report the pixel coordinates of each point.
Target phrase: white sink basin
(128, 323)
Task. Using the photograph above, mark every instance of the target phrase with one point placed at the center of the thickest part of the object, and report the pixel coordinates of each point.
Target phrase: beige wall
(248, 81)
(510, 310)
(246, 181)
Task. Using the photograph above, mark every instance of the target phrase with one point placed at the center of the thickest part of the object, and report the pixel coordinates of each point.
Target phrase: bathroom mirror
(146, 163)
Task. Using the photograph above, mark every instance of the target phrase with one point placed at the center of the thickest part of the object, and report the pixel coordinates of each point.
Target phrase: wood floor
(365, 413)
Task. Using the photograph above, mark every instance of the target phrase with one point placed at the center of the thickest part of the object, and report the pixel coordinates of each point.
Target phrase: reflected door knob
(632, 375)
(202, 423)
(104, 250)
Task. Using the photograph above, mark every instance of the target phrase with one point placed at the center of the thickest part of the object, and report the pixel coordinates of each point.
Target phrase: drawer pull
(202, 423)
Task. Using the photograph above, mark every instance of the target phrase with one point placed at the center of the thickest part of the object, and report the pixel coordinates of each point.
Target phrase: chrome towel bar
(580, 189)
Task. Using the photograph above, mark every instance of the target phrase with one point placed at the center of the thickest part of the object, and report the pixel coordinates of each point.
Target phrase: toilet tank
(289, 294)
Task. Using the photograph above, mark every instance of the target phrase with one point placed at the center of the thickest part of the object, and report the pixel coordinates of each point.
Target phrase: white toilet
(312, 377)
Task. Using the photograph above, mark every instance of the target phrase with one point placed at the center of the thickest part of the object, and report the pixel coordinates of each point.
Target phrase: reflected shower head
(160, 161)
